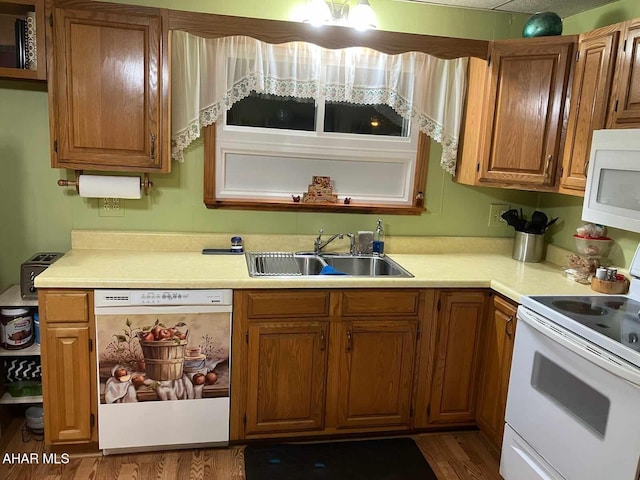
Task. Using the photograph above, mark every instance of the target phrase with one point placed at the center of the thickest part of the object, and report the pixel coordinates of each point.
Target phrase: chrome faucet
(318, 244)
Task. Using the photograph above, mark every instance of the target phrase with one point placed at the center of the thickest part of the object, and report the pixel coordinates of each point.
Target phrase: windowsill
(290, 206)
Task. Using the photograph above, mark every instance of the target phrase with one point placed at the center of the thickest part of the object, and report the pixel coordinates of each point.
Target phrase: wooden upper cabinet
(592, 81)
(109, 90)
(10, 10)
(625, 101)
(525, 110)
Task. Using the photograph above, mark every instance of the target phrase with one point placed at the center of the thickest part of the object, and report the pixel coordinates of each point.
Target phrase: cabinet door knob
(322, 342)
(586, 168)
(349, 341)
(153, 146)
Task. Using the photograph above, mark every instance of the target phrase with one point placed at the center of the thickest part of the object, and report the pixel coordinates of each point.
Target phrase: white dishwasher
(164, 363)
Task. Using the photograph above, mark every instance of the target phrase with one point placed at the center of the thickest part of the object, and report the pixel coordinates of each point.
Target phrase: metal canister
(16, 329)
(602, 273)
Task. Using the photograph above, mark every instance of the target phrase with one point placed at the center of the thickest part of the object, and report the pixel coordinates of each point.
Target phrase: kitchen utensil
(551, 223)
(538, 222)
(512, 218)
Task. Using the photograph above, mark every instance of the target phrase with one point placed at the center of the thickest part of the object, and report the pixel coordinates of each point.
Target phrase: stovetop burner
(579, 307)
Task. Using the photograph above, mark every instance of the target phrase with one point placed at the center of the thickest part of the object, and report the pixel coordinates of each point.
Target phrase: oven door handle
(578, 346)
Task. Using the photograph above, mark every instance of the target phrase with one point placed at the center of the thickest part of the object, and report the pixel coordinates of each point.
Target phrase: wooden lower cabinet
(332, 367)
(497, 337)
(287, 368)
(67, 398)
(375, 374)
(455, 356)
(68, 366)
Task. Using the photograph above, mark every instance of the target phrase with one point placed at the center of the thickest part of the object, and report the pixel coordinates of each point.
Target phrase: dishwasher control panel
(122, 297)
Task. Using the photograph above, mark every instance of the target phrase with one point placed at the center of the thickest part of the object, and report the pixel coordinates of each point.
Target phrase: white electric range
(573, 408)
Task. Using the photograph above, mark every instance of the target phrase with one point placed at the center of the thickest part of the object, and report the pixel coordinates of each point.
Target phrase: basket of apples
(163, 351)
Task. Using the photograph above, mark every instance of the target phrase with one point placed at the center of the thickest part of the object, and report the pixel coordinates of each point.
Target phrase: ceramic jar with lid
(16, 328)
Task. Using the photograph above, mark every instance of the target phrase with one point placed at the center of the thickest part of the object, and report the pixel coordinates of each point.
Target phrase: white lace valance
(210, 75)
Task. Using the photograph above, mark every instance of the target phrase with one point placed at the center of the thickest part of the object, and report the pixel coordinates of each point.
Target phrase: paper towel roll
(105, 186)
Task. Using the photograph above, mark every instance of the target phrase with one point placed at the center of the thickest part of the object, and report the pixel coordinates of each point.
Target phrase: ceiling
(564, 8)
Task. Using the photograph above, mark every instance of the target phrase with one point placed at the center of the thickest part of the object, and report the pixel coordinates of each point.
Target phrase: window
(268, 147)
(299, 110)
(274, 111)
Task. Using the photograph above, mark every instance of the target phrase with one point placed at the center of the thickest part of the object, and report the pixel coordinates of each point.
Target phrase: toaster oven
(30, 269)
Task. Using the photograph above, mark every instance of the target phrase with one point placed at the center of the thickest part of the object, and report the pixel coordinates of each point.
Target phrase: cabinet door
(625, 109)
(109, 91)
(589, 103)
(525, 108)
(375, 373)
(287, 367)
(66, 386)
(456, 356)
(498, 335)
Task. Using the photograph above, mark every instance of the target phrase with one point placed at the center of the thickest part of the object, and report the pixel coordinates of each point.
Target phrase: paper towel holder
(145, 183)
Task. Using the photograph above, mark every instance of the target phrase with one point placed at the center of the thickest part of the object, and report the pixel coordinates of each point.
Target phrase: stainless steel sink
(309, 264)
(277, 264)
(368, 266)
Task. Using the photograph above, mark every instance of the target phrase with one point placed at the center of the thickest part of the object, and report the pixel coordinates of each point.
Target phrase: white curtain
(210, 75)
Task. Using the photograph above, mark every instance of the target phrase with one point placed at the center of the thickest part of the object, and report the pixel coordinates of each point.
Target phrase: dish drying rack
(266, 264)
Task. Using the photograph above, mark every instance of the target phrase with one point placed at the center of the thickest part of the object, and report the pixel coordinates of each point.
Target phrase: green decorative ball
(542, 24)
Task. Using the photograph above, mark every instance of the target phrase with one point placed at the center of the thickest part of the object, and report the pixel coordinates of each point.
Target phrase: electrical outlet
(495, 212)
(111, 207)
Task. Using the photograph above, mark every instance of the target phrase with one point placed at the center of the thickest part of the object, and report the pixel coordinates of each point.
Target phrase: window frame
(390, 159)
(211, 200)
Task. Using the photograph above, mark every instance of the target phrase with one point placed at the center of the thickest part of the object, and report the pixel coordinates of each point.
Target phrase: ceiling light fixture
(320, 12)
(362, 17)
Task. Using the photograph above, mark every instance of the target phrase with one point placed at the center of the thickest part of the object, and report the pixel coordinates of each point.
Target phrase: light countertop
(129, 265)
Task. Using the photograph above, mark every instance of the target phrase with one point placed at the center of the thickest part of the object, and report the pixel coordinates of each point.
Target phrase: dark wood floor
(453, 456)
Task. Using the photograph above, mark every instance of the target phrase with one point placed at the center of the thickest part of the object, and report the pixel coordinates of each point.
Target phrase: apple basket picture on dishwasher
(164, 359)
(163, 355)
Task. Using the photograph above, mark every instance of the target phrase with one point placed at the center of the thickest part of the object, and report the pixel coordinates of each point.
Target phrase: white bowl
(593, 246)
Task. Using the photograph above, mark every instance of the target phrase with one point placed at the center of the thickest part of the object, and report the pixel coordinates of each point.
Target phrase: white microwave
(612, 195)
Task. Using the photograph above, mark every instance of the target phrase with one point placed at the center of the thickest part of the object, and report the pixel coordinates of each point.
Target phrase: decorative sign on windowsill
(320, 191)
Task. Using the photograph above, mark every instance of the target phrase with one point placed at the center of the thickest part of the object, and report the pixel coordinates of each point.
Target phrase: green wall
(602, 16)
(37, 215)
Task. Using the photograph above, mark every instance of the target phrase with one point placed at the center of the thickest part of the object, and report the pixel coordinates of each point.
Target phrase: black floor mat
(388, 459)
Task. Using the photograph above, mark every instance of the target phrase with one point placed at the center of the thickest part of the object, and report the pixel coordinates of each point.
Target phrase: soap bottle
(378, 239)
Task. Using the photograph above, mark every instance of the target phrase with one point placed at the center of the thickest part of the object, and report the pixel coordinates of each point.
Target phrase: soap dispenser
(378, 239)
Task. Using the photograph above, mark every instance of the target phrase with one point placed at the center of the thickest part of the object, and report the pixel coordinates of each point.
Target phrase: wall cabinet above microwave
(606, 94)
(625, 96)
(109, 88)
